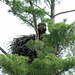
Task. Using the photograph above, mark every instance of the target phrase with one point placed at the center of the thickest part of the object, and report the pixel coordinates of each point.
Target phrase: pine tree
(48, 60)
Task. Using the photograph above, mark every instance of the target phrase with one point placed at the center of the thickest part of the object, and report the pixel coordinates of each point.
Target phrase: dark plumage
(41, 29)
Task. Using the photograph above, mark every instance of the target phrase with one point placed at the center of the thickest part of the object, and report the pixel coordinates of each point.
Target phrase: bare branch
(37, 6)
(3, 51)
(64, 12)
(49, 3)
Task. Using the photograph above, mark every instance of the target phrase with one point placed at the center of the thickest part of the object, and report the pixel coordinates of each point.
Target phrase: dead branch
(3, 51)
(64, 12)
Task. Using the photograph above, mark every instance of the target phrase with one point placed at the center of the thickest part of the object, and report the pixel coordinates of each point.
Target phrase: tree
(48, 60)
(47, 64)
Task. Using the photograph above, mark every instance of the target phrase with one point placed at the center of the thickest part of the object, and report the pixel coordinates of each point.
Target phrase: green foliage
(35, 45)
(61, 33)
(46, 63)
(41, 55)
(17, 7)
(43, 65)
(38, 12)
(14, 64)
(26, 11)
(60, 37)
(39, 46)
(47, 20)
(34, 1)
(64, 20)
(50, 65)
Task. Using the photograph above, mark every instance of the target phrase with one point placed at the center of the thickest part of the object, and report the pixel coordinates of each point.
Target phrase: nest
(18, 46)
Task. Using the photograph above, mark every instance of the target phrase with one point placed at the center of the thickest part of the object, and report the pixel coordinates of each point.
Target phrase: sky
(10, 25)
(65, 5)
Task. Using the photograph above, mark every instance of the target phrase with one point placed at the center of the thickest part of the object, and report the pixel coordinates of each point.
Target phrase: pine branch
(64, 12)
(63, 70)
(25, 20)
(3, 51)
(40, 8)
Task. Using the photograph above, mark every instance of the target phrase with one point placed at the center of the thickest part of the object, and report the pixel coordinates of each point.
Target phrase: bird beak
(44, 27)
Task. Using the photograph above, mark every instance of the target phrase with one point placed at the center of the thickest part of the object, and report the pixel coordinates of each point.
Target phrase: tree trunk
(36, 28)
(35, 23)
(52, 9)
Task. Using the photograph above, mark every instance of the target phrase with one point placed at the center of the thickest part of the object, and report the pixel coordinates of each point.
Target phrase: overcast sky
(10, 25)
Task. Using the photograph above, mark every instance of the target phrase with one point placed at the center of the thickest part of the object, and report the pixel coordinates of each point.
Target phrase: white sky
(64, 6)
(10, 26)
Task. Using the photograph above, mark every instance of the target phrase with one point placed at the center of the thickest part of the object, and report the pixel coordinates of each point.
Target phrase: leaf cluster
(38, 46)
(25, 12)
(61, 33)
(43, 65)
(16, 7)
(38, 12)
(14, 64)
